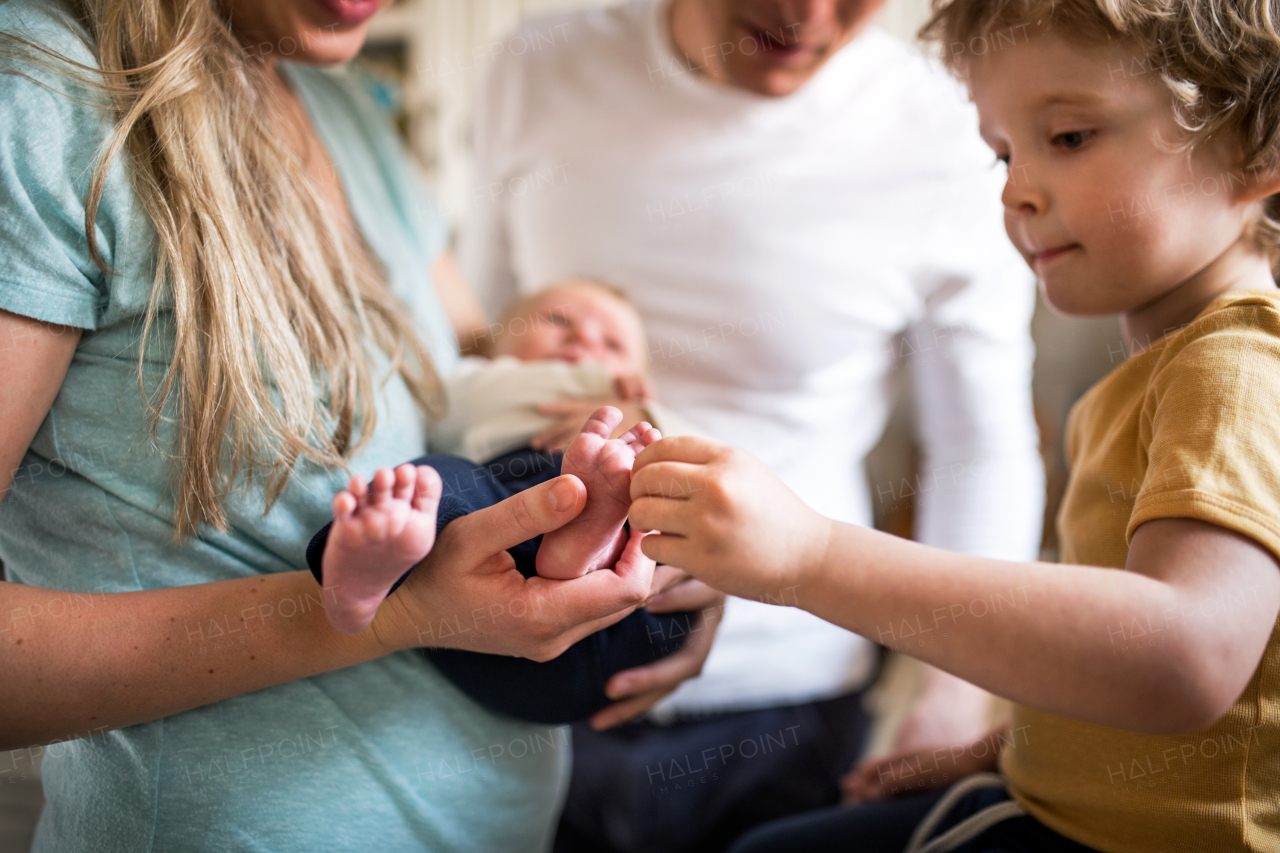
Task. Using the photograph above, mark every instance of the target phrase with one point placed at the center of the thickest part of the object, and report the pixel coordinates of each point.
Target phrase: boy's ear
(1258, 184)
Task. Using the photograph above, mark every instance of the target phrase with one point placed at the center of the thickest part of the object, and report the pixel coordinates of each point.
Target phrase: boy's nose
(1022, 194)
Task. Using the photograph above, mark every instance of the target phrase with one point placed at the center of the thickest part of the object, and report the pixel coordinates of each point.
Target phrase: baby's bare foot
(379, 532)
(595, 538)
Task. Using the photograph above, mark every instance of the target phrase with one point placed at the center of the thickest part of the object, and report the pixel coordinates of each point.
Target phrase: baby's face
(577, 323)
(1099, 199)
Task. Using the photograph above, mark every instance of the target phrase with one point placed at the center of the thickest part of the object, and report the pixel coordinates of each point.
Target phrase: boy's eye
(1072, 139)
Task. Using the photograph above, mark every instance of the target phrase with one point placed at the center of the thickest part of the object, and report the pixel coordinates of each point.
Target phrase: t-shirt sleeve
(49, 148)
(1211, 422)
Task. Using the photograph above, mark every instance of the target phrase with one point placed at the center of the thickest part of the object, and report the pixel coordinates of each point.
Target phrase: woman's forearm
(1118, 648)
(81, 663)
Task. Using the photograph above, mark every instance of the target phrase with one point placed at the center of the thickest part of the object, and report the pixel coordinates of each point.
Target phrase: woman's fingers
(545, 507)
(689, 595)
(633, 566)
(599, 596)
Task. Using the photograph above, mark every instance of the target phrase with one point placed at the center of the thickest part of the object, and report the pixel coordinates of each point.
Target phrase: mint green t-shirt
(384, 756)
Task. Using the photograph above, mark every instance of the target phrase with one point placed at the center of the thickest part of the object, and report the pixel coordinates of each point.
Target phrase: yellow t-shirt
(1187, 429)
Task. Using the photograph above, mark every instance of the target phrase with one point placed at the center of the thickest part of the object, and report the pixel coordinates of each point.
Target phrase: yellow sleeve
(1211, 426)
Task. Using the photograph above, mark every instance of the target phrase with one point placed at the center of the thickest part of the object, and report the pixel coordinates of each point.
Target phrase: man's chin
(772, 80)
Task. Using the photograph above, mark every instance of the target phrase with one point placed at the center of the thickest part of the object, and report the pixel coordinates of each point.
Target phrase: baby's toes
(344, 504)
(427, 490)
(648, 437)
(384, 480)
(406, 479)
(358, 489)
(603, 422)
(616, 461)
(633, 435)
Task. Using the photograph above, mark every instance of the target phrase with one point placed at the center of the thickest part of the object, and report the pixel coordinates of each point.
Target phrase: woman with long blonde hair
(214, 303)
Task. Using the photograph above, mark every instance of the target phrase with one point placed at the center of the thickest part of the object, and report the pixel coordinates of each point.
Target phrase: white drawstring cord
(968, 828)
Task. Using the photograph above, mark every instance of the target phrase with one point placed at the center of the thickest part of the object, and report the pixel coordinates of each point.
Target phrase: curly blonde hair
(1220, 59)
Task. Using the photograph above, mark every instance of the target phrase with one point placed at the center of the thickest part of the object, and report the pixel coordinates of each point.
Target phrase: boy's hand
(725, 518)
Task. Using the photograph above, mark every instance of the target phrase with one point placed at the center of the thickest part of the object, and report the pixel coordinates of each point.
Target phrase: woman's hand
(725, 518)
(467, 593)
(637, 690)
(572, 414)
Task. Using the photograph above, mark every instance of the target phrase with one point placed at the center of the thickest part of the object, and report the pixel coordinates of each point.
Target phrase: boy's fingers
(667, 548)
(522, 516)
(673, 480)
(660, 514)
(680, 448)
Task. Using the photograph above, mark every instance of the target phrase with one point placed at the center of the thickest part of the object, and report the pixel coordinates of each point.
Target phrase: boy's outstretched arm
(1047, 635)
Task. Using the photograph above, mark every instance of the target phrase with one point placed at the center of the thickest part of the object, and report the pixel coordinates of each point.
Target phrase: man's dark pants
(698, 784)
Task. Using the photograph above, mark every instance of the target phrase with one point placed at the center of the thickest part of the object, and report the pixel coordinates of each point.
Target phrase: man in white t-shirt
(800, 207)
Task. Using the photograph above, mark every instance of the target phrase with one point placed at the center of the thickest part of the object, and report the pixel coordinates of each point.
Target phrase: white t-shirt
(788, 256)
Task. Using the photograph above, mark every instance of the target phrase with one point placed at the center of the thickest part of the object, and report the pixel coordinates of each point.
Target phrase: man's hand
(571, 415)
(634, 386)
(920, 771)
(637, 690)
(724, 517)
(949, 710)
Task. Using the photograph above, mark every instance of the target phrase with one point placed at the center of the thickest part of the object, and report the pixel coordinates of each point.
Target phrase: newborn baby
(575, 340)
